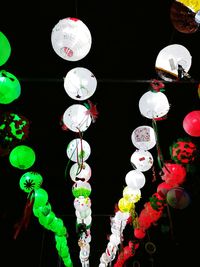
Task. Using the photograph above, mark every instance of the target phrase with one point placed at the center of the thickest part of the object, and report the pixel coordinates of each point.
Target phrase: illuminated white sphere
(143, 137)
(87, 220)
(77, 118)
(71, 39)
(82, 203)
(153, 105)
(115, 239)
(78, 150)
(142, 160)
(135, 179)
(83, 214)
(80, 83)
(80, 171)
(131, 194)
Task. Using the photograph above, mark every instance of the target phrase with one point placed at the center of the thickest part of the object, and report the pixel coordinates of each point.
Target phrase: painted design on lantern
(142, 134)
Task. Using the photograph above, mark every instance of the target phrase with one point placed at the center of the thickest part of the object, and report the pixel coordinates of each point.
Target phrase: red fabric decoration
(163, 188)
(191, 123)
(157, 85)
(173, 174)
(92, 111)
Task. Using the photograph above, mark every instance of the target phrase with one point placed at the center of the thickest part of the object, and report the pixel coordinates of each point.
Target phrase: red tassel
(93, 111)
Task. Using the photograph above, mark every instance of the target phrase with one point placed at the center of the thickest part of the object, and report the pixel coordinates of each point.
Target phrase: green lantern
(22, 157)
(81, 189)
(42, 211)
(47, 220)
(41, 198)
(5, 49)
(10, 88)
(30, 181)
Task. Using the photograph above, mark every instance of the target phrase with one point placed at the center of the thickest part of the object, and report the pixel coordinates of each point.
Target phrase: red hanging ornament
(173, 174)
(191, 123)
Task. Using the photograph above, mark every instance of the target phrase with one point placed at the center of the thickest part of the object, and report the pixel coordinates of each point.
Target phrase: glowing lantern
(135, 179)
(30, 181)
(183, 151)
(132, 195)
(42, 211)
(124, 205)
(173, 174)
(170, 59)
(139, 233)
(10, 88)
(191, 123)
(143, 137)
(5, 50)
(82, 203)
(46, 220)
(197, 17)
(87, 221)
(114, 239)
(81, 189)
(178, 198)
(194, 5)
(22, 157)
(83, 214)
(77, 118)
(163, 188)
(142, 160)
(80, 171)
(71, 39)
(78, 150)
(80, 83)
(41, 197)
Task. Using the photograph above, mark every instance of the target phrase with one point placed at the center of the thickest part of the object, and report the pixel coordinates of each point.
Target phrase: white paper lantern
(135, 179)
(80, 83)
(83, 214)
(111, 250)
(87, 221)
(77, 118)
(168, 60)
(197, 17)
(82, 203)
(81, 172)
(153, 105)
(143, 137)
(78, 150)
(71, 39)
(131, 194)
(115, 239)
(142, 160)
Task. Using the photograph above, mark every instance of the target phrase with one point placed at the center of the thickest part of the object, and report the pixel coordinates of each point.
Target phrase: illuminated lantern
(83, 214)
(41, 197)
(143, 137)
(10, 88)
(170, 59)
(124, 205)
(183, 151)
(42, 211)
(80, 171)
(111, 250)
(193, 5)
(87, 221)
(82, 203)
(71, 39)
(77, 118)
(115, 239)
(139, 233)
(178, 198)
(80, 83)
(163, 188)
(46, 220)
(191, 123)
(132, 195)
(30, 181)
(5, 49)
(197, 17)
(78, 150)
(141, 160)
(22, 157)
(153, 105)
(81, 189)
(135, 179)
(173, 174)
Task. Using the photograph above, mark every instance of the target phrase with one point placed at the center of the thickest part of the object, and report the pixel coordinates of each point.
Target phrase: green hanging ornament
(22, 157)
(41, 197)
(5, 49)
(30, 181)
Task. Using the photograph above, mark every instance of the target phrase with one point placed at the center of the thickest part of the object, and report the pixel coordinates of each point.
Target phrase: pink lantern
(178, 198)
(191, 123)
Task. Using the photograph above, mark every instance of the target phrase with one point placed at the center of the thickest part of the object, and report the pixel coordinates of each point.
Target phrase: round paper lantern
(197, 17)
(170, 58)
(132, 195)
(77, 118)
(82, 203)
(135, 179)
(5, 50)
(173, 174)
(178, 198)
(87, 221)
(124, 205)
(80, 83)
(114, 239)
(78, 150)
(81, 189)
(141, 160)
(153, 105)
(191, 123)
(193, 5)
(10, 88)
(81, 172)
(22, 157)
(41, 197)
(30, 181)
(139, 233)
(143, 137)
(83, 214)
(71, 39)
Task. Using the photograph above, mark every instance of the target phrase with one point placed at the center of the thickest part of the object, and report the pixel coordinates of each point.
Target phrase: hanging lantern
(30, 181)
(135, 179)
(143, 137)
(193, 5)
(80, 83)
(170, 59)
(173, 174)
(5, 49)
(77, 118)
(78, 150)
(183, 151)
(178, 198)
(132, 195)
(83, 214)
(125, 205)
(141, 160)
(82, 203)
(71, 39)
(41, 197)
(153, 105)
(81, 189)
(163, 188)
(139, 233)
(10, 88)
(22, 157)
(80, 171)
(191, 123)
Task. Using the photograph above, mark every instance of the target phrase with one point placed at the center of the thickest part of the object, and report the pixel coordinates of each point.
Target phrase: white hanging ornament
(82, 203)
(77, 118)
(71, 39)
(131, 194)
(80, 171)
(143, 137)
(78, 150)
(142, 160)
(135, 179)
(80, 83)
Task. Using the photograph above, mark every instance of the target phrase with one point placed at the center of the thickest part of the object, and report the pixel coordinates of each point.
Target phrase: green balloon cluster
(5, 49)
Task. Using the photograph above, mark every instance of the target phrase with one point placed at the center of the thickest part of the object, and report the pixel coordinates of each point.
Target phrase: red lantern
(163, 188)
(139, 233)
(173, 174)
(191, 123)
